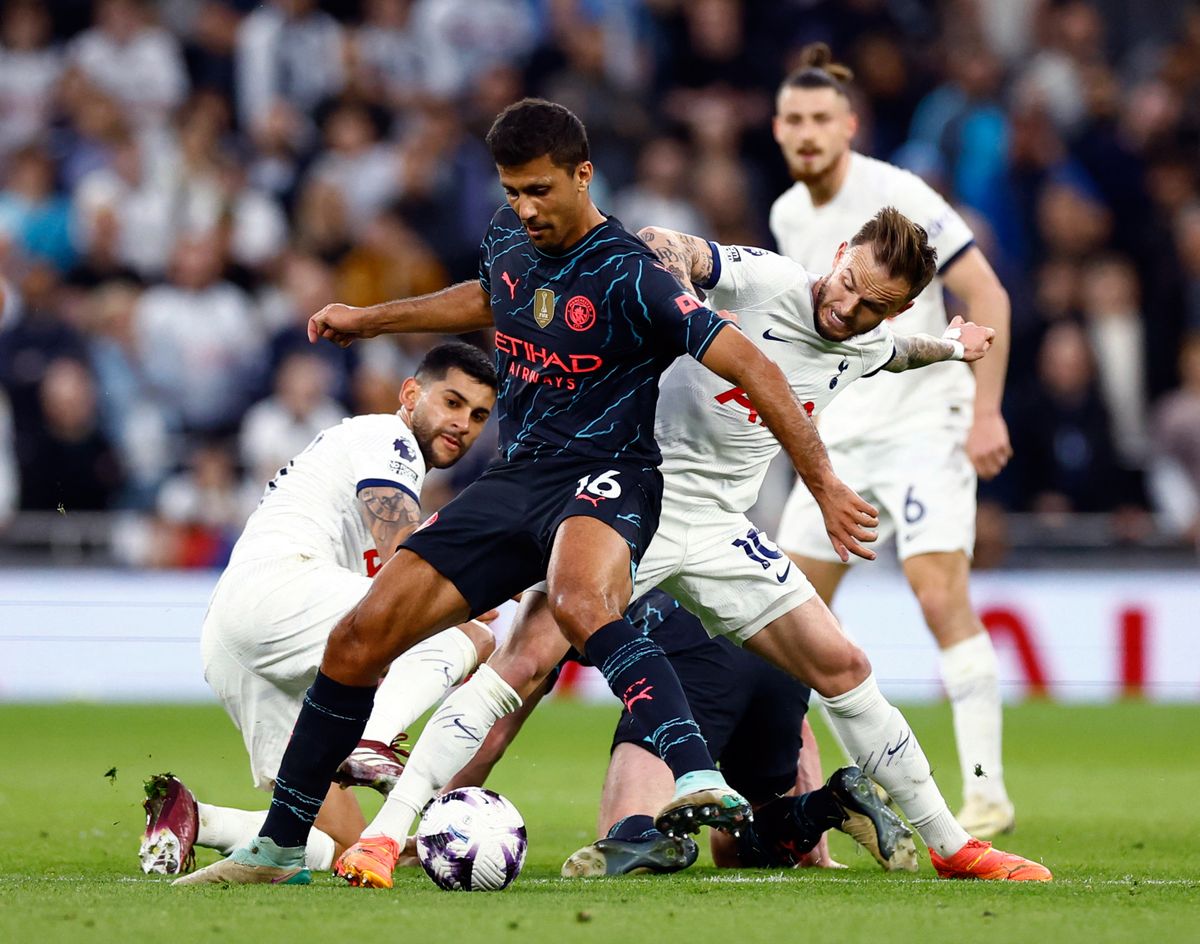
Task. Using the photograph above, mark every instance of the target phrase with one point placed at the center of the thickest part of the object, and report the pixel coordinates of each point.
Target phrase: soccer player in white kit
(326, 523)
(911, 444)
(824, 332)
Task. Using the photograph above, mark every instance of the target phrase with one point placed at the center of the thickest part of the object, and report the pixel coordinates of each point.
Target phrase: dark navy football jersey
(581, 339)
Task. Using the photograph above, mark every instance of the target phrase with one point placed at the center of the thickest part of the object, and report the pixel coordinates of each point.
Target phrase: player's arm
(390, 514)
(972, 281)
(454, 310)
(849, 520)
(688, 258)
(963, 341)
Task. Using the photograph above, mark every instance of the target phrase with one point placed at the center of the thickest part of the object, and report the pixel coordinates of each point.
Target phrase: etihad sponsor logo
(543, 306)
(538, 364)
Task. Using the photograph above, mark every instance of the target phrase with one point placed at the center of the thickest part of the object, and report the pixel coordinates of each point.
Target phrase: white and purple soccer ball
(471, 840)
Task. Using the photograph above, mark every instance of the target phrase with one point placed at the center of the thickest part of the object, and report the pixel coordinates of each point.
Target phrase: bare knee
(579, 613)
(523, 668)
(357, 652)
(849, 670)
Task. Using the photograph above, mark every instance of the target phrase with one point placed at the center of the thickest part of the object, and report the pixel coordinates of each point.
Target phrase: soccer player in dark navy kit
(586, 320)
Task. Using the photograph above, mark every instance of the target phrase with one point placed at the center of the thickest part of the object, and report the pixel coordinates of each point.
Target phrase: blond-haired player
(911, 444)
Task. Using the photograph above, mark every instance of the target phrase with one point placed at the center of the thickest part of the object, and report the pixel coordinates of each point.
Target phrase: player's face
(813, 128)
(447, 415)
(551, 201)
(857, 295)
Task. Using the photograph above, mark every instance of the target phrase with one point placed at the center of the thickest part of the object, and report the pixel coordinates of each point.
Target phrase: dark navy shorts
(494, 539)
(748, 711)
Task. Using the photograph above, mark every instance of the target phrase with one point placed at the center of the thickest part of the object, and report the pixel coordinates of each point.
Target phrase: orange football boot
(369, 862)
(977, 859)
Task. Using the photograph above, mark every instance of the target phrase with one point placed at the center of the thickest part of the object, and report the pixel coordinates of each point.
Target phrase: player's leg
(416, 594)
(928, 488)
(590, 583)
(637, 783)
(418, 679)
(970, 672)
(454, 734)
(807, 643)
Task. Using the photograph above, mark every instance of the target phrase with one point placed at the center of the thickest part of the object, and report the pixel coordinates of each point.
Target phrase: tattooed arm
(963, 341)
(688, 258)
(390, 514)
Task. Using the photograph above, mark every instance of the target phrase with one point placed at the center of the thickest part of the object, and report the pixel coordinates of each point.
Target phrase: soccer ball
(471, 840)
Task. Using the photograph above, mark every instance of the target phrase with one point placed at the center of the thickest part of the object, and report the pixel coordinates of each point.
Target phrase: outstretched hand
(850, 521)
(975, 339)
(340, 324)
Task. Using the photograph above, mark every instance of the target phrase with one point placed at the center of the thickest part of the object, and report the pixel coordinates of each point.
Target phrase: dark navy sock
(331, 721)
(821, 809)
(639, 674)
(787, 827)
(637, 828)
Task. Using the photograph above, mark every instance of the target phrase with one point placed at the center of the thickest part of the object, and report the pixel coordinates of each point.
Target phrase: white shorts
(722, 568)
(262, 643)
(924, 488)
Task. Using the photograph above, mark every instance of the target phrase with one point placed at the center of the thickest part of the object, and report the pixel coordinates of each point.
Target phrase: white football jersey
(891, 405)
(714, 444)
(311, 507)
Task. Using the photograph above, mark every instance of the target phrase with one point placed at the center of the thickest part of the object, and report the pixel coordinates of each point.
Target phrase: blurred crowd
(184, 182)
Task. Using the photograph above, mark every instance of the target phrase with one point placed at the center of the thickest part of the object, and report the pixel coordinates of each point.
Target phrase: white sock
(225, 829)
(418, 679)
(885, 747)
(449, 741)
(971, 675)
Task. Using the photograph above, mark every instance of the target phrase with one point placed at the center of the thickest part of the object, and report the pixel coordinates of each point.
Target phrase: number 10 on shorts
(597, 488)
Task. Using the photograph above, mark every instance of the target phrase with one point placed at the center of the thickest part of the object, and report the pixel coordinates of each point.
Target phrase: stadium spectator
(352, 180)
(305, 285)
(131, 58)
(33, 214)
(660, 195)
(1061, 440)
(1114, 321)
(198, 342)
(129, 412)
(279, 427)
(67, 462)
(289, 59)
(30, 67)
(203, 508)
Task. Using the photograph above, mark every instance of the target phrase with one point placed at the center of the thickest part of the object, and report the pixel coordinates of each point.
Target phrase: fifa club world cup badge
(543, 306)
(580, 313)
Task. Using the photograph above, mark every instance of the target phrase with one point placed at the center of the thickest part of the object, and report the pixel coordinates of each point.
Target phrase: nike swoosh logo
(782, 577)
(770, 337)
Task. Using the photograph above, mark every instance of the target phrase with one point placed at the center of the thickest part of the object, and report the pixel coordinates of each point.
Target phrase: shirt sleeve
(879, 352)
(389, 457)
(948, 232)
(679, 319)
(746, 276)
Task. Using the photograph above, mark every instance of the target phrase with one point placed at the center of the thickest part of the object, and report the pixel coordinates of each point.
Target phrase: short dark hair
(818, 70)
(466, 357)
(533, 127)
(901, 246)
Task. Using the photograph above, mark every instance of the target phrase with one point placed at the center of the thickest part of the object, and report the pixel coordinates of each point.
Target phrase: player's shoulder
(887, 182)
(373, 425)
(792, 202)
(504, 225)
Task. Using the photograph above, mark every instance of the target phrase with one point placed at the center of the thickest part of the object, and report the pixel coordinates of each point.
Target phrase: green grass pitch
(1107, 796)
